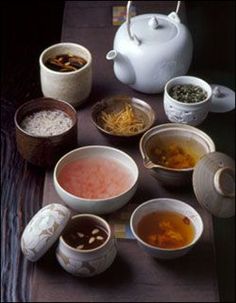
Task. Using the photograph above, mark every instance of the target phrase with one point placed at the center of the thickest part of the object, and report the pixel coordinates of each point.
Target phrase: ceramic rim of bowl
(166, 90)
(133, 101)
(64, 44)
(38, 100)
(198, 132)
(195, 239)
(95, 147)
(94, 217)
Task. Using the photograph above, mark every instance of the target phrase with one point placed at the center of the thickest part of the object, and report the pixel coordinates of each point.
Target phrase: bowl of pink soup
(96, 179)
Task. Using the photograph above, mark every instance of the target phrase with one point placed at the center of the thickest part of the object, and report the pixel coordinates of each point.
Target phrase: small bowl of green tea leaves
(187, 100)
(65, 62)
(188, 93)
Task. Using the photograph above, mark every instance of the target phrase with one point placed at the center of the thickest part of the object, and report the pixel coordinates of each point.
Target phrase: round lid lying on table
(214, 184)
(43, 230)
(222, 100)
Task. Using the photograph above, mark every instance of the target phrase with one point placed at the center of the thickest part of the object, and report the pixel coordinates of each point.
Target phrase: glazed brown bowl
(44, 151)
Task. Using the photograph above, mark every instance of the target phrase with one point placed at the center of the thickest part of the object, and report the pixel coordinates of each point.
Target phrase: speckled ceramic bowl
(73, 87)
(54, 221)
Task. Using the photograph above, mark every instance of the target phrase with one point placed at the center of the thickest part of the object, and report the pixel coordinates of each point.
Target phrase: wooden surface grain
(21, 187)
(24, 35)
(26, 30)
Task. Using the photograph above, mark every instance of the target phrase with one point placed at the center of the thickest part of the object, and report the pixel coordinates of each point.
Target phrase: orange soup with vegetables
(95, 178)
(174, 156)
(167, 230)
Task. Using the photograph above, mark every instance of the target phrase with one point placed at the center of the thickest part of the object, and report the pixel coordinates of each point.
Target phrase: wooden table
(22, 184)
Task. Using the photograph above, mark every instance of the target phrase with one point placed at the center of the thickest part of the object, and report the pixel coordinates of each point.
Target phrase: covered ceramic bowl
(54, 221)
(189, 99)
(193, 113)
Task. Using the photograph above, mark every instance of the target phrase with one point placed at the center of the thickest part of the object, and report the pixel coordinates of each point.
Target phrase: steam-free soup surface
(174, 156)
(95, 178)
(85, 233)
(166, 229)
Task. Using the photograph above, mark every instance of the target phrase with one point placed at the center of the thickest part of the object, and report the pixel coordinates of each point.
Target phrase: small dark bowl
(44, 151)
(115, 104)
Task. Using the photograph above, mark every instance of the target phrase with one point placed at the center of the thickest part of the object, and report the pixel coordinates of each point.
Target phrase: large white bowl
(172, 205)
(97, 206)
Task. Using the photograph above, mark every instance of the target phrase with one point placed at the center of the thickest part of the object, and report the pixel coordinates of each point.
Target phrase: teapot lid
(153, 28)
(149, 28)
(214, 184)
(43, 230)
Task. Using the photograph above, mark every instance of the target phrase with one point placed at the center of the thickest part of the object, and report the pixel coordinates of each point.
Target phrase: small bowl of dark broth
(66, 72)
(166, 228)
(65, 62)
(87, 246)
(85, 234)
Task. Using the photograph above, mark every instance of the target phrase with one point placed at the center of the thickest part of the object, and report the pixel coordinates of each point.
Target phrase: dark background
(29, 27)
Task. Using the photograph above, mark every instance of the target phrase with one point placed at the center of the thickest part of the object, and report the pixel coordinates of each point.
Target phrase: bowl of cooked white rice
(45, 129)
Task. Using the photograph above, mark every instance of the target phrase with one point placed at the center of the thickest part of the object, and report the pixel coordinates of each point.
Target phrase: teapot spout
(112, 55)
(122, 67)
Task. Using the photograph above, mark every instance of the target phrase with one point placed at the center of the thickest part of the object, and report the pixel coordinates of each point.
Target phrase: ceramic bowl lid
(214, 184)
(43, 230)
(222, 100)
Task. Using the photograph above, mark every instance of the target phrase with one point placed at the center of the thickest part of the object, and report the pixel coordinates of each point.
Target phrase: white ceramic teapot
(151, 49)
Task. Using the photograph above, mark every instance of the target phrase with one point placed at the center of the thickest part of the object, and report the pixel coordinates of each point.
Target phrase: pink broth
(95, 178)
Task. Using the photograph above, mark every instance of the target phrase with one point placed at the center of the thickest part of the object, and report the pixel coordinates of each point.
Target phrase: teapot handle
(132, 36)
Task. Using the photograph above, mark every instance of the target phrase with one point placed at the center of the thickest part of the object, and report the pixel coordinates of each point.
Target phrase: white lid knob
(153, 23)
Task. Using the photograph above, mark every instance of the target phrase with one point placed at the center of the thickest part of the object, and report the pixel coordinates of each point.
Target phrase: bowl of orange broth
(96, 179)
(172, 150)
(166, 228)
